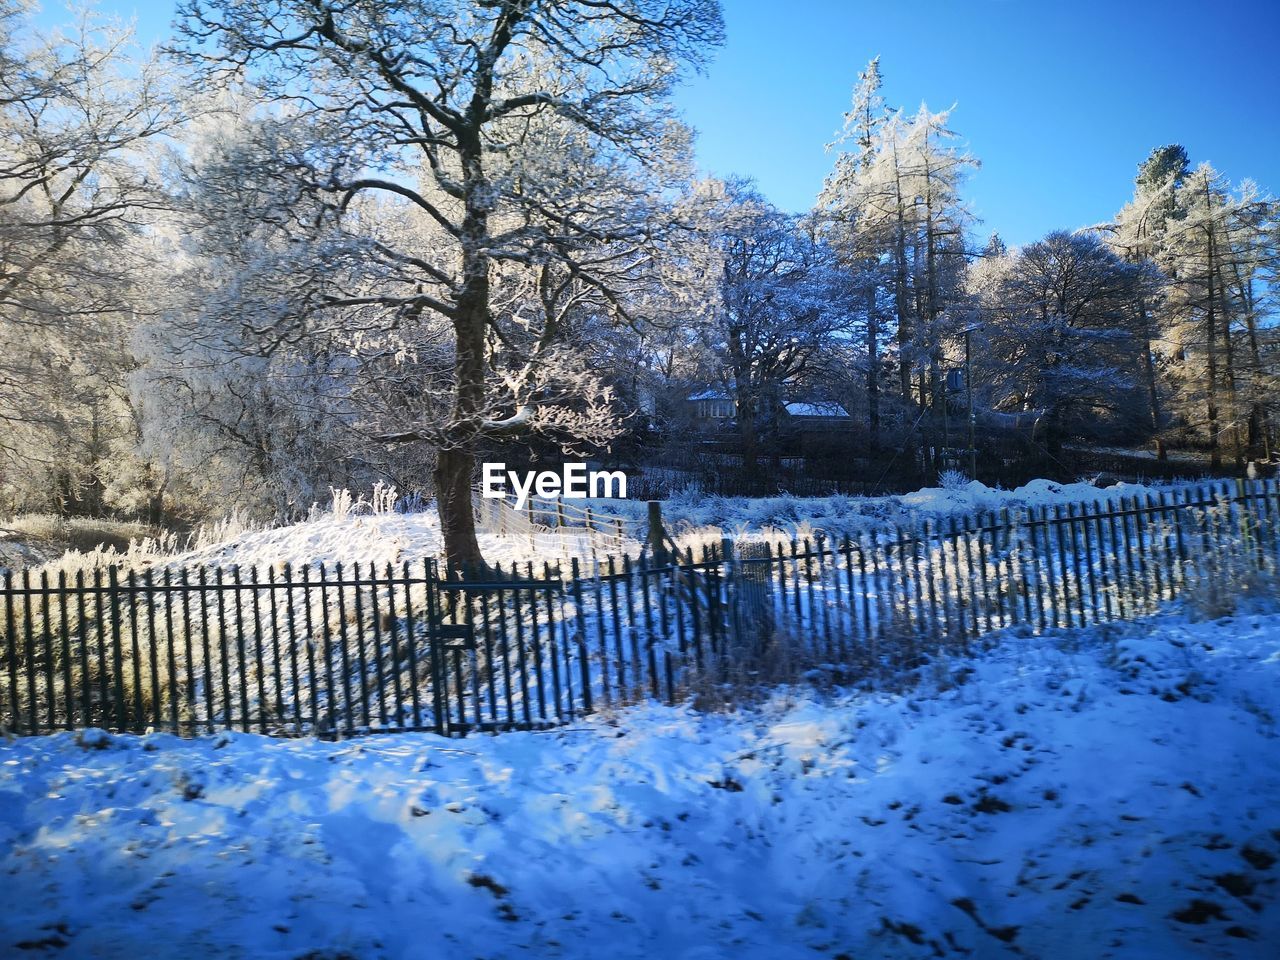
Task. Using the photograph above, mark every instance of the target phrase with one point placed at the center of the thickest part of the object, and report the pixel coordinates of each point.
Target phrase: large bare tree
(776, 304)
(525, 132)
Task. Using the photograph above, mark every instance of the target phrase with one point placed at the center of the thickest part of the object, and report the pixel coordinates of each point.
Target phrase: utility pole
(968, 389)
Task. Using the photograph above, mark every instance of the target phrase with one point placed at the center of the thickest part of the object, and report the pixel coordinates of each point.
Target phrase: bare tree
(76, 110)
(777, 301)
(1061, 332)
(473, 112)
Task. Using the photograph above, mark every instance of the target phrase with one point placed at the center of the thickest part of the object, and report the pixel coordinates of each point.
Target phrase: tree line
(314, 244)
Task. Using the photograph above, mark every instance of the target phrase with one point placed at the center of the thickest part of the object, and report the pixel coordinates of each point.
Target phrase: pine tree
(840, 219)
(1139, 235)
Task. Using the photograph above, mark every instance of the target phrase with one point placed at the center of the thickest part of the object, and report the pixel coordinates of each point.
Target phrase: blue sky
(1059, 99)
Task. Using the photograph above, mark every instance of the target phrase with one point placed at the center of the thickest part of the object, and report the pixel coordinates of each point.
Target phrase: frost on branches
(524, 143)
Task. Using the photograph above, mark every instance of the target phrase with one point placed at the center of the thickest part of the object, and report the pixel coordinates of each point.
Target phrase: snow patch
(1043, 799)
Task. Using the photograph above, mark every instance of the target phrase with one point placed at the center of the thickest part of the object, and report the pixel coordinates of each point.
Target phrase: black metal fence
(336, 651)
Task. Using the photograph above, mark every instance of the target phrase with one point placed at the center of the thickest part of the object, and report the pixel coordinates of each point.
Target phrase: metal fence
(342, 650)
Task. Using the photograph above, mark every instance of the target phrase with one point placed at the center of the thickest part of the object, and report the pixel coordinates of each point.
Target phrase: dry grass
(1230, 586)
(84, 535)
(1240, 571)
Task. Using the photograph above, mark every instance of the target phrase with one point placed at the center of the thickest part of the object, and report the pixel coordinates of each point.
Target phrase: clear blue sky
(1059, 99)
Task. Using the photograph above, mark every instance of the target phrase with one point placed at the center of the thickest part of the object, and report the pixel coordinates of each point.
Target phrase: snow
(816, 410)
(384, 538)
(745, 517)
(1090, 794)
(378, 539)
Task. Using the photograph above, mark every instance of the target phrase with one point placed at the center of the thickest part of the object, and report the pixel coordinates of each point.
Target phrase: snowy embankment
(847, 514)
(694, 518)
(379, 539)
(1100, 794)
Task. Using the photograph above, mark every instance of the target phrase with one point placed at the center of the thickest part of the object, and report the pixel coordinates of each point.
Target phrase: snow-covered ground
(379, 539)
(841, 514)
(1092, 794)
(693, 518)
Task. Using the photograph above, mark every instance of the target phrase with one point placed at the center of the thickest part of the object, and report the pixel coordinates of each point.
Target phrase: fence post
(580, 621)
(1270, 498)
(46, 634)
(733, 598)
(11, 653)
(149, 586)
(117, 660)
(1242, 505)
(656, 539)
(64, 629)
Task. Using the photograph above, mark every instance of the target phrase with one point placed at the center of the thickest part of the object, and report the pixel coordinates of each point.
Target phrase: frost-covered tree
(486, 117)
(1061, 333)
(899, 210)
(1214, 253)
(848, 226)
(1138, 235)
(77, 109)
(776, 301)
(1211, 246)
(904, 203)
(265, 421)
(1254, 278)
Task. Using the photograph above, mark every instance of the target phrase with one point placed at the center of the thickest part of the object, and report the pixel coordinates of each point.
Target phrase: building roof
(826, 410)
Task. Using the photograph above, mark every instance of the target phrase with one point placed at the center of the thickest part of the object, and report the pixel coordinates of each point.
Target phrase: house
(711, 407)
(815, 415)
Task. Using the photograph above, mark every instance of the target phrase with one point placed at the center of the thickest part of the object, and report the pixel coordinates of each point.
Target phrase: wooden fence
(343, 650)
(555, 527)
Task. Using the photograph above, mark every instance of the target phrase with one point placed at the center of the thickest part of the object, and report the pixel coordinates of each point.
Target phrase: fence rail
(336, 651)
(554, 527)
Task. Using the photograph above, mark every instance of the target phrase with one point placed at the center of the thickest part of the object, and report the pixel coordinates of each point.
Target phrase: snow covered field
(1109, 793)
(350, 536)
(693, 518)
(841, 514)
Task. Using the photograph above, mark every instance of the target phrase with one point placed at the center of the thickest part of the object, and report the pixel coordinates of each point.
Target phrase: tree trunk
(456, 465)
(873, 369)
(900, 289)
(1211, 347)
(1229, 361)
(453, 474)
(1153, 391)
(1052, 435)
(1259, 428)
(928, 443)
(747, 436)
(745, 396)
